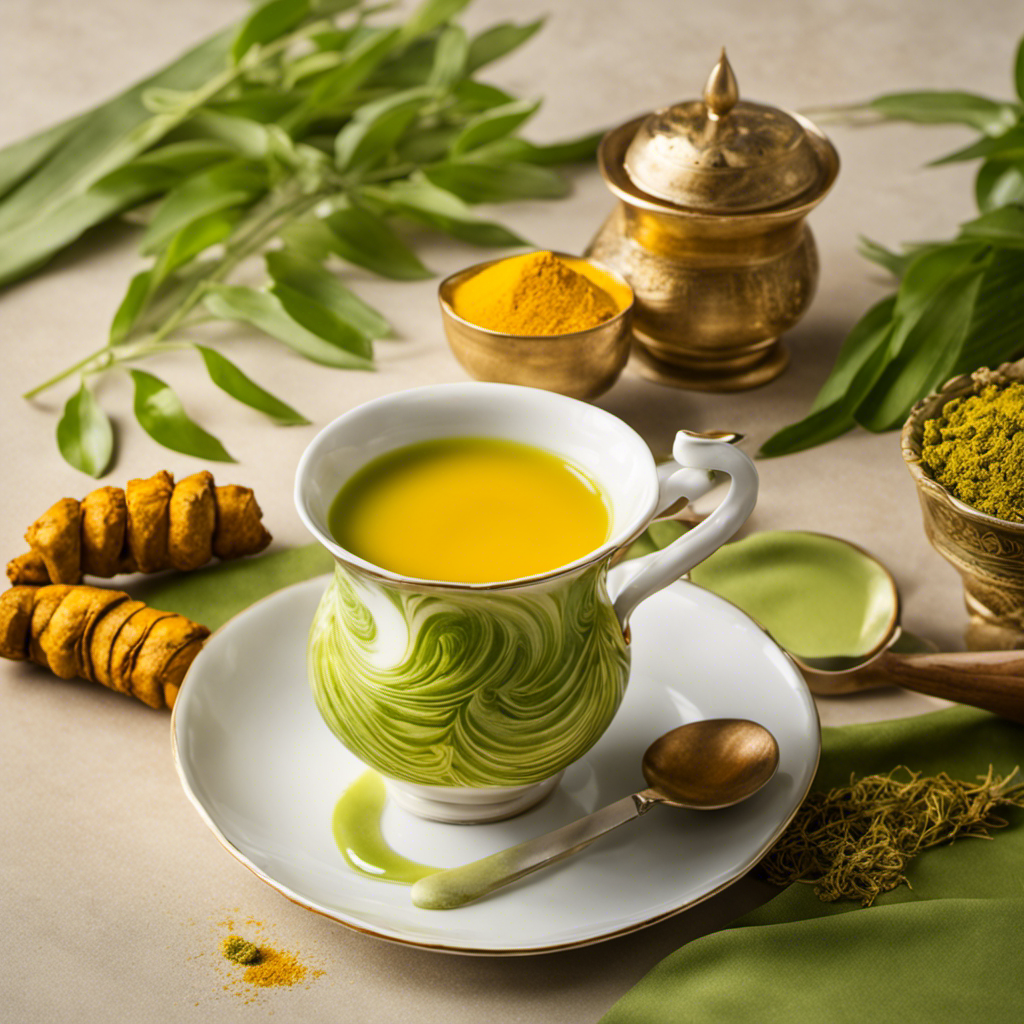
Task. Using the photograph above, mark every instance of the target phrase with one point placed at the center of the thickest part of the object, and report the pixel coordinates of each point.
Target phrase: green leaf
(28, 245)
(312, 64)
(997, 328)
(1008, 146)
(498, 41)
(450, 55)
(226, 185)
(928, 353)
(267, 23)
(426, 145)
(322, 321)
(53, 207)
(362, 60)
(309, 236)
(999, 182)
(429, 15)
(484, 182)
(894, 262)
(572, 151)
(368, 241)
(1018, 70)
(826, 422)
(326, 8)
(134, 183)
(376, 127)
(159, 100)
(239, 136)
(938, 107)
(859, 347)
(22, 158)
(473, 96)
(433, 206)
(262, 105)
(194, 238)
(84, 435)
(307, 277)
(1003, 226)
(492, 124)
(94, 147)
(186, 156)
(131, 306)
(161, 414)
(266, 312)
(230, 379)
(928, 274)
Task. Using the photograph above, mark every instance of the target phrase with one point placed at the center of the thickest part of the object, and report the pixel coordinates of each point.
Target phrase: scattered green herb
(303, 135)
(960, 303)
(853, 843)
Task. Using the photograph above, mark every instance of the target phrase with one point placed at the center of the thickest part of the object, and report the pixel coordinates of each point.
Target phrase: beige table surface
(112, 890)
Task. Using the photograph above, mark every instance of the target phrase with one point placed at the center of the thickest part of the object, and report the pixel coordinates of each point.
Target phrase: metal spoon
(704, 766)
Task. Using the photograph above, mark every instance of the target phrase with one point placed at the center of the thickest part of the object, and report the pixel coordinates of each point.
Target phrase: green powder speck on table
(240, 950)
(975, 449)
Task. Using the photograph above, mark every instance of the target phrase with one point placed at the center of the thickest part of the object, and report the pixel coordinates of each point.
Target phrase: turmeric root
(100, 635)
(151, 525)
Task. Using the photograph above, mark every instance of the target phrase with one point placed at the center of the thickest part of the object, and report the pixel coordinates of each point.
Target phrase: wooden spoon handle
(993, 680)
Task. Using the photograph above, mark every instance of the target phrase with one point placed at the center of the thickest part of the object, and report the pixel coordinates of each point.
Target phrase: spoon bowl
(711, 764)
(703, 766)
(835, 610)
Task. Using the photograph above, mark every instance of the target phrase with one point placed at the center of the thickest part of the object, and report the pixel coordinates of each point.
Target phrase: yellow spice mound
(533, 294)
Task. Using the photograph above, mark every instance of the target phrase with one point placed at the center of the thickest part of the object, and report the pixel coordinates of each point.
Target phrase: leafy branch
(305, 135)
(960, 302)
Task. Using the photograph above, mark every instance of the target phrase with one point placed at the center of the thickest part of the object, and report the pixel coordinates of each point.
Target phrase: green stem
(237, 252)
(82, 364)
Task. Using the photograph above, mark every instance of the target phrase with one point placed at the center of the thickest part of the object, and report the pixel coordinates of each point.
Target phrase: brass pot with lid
(710, 233)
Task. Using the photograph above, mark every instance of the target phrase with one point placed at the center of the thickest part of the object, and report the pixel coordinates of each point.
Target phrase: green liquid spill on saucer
(356, 826)
(818, 596)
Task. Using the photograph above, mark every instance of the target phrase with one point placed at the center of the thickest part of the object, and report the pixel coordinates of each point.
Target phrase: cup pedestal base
(465, 805)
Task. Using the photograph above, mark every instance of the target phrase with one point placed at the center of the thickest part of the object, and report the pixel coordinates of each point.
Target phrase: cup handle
(698, 457)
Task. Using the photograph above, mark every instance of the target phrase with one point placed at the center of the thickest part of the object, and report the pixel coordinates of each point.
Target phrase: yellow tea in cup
(470, 510)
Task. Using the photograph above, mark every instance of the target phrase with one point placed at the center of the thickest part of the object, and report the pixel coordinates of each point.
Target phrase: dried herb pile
(855, 842)
(303, 136)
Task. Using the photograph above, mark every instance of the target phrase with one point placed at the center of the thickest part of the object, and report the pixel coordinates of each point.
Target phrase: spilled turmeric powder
(535, 294)
(265, 966)
(274, 969)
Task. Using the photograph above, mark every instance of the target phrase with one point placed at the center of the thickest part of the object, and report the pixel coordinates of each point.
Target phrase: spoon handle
(456, 887)
(993, 680)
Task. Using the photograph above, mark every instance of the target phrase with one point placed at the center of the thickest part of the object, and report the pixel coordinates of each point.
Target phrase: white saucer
(265, 773)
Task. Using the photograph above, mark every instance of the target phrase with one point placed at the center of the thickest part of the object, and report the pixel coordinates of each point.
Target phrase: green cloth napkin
(214, 594)
(949, 949)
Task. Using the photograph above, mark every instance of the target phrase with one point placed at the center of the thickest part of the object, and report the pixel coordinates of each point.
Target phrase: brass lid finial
(721, 93)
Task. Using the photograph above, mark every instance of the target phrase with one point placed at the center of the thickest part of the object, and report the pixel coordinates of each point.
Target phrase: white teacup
(472, 698)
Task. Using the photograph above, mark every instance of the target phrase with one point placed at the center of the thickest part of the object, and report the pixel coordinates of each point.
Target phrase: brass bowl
(581, 365)
(987, 552)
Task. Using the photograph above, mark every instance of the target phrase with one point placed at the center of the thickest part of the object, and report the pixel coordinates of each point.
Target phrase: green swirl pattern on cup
(501, 688)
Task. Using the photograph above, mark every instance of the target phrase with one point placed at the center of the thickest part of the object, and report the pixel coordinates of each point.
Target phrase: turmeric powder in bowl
(538, 294)
(543, 320)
